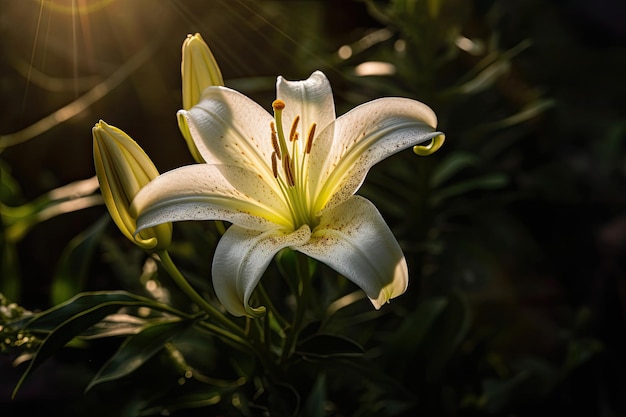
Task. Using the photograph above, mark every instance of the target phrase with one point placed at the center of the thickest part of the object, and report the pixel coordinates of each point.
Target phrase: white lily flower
(289, 181)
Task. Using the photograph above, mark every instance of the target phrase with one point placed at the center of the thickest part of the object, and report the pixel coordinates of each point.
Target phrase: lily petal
(311, 100)
(241, 257)
(209, 192)
(354, 240)
(362, 137)
(228, 128)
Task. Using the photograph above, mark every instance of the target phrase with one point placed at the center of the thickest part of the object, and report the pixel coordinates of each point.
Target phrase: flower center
(293, 171)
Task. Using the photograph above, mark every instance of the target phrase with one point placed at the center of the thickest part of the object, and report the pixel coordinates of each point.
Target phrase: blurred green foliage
(515, 231)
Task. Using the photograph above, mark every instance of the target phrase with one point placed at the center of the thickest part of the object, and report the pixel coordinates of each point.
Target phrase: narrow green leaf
(117, 324)
(74, 263)
(283, 398)
(450, 166)
(580, 351)
(20, 219)
(48, 320)
(529, 378)
(488, 70)
(10, 191)
(205, 397)
(69, 329)
(529, 112)
(363, 370)
(328, 345)
(416, 326)
(10, 284)
(447, 333)
(137, 350)
(485, 182)
(315, 403)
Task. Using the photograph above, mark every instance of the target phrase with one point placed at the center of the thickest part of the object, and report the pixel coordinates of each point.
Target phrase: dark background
(534, 234)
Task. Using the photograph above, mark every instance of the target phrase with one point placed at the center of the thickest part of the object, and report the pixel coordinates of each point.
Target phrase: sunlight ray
(32, 55)
(298, 45)
(88, 6)
(50, 83)
(81, 103)
(74, 47)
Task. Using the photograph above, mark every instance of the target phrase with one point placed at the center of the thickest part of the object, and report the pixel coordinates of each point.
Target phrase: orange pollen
(275, 140)
(309, 141)
(274, 165)
(293, 135)
(288, 171)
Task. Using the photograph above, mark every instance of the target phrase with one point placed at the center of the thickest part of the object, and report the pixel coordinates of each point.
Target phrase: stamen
(309, 141)
(278, 106)
(275, 140)
(274, 165)
(288, 171)
(293, 135)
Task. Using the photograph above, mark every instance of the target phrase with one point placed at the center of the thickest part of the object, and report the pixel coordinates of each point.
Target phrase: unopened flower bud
(199, 70)
(123, 168)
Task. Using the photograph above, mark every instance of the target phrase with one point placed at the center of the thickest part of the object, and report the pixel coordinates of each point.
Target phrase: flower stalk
(303, 294)
(184, 285)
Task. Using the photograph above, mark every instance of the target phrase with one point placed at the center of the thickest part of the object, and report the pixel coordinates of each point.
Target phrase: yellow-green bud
(199, 70)
(123, 168)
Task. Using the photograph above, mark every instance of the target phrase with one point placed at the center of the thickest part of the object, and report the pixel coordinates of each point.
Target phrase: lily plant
(288, 179)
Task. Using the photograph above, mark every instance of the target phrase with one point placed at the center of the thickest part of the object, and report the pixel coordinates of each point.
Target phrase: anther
(288, 170)
(275, 140)
(293, 135)
(309, 141)
(274, 165)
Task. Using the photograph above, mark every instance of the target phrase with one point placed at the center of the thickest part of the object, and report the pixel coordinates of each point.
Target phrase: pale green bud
(199, 70)
(123, 168)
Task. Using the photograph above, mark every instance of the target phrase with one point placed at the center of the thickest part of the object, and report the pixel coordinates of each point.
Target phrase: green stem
(226, 335)
(212, 328)
(232, 333)
(219, 225)
(267, 301)
(302, 296)
(184, 285)
(241, 342)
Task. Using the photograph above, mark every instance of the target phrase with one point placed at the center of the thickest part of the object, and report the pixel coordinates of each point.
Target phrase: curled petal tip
(184, 130)
(256, 312)
(432, 146)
